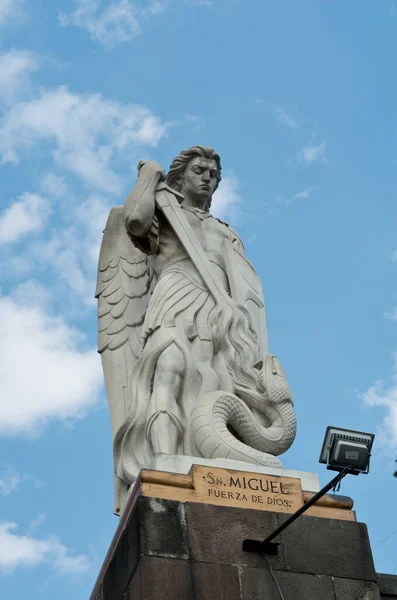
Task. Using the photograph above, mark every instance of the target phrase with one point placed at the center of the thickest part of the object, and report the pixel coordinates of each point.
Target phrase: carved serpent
(217, 411)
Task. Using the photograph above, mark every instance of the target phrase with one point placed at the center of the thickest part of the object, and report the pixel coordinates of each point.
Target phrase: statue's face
(200, 178)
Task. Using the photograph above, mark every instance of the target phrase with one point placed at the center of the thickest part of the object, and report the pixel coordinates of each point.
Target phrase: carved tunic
(179, 288)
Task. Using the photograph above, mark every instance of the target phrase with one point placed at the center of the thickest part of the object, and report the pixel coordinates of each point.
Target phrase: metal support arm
(267, 546)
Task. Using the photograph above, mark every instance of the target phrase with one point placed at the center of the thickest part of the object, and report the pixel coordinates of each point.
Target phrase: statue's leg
(164, 428)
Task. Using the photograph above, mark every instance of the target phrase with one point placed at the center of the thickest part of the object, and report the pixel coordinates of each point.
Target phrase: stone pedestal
(180, 549)
(387, 586)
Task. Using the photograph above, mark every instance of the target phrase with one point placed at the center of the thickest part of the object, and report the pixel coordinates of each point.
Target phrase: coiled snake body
(266, 428)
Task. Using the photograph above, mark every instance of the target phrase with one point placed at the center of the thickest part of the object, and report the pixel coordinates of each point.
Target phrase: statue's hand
(151, 166)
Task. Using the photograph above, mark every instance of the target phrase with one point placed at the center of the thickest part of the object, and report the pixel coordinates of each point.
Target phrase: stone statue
(182, 329)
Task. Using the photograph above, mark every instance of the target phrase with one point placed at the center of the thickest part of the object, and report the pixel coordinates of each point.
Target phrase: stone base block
(168, 549)
(387, 586)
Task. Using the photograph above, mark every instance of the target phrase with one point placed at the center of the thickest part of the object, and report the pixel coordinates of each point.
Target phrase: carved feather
(137, 269)
(123, 291)
(118, 310)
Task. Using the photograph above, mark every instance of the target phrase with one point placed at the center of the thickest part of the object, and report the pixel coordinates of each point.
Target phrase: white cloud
(64, 253)
(18, 551)
(33, 293)
(27, 215)
(284, 118)
(36, 523)
(87, 133)
(72, 251)
(53, 185)
(68, 254)
(113, 22)
(10, 9)
(11, 480)
(392, 315)
(313, 153)
(302, 195)
(226, 199)
(15, 265)
(306, 193)
(385, 396)
(44, 374)
(206, 3)
(15, 69)
(154, 7)
(92, 214)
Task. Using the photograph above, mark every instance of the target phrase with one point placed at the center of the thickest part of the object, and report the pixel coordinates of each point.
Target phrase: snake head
(272, 380)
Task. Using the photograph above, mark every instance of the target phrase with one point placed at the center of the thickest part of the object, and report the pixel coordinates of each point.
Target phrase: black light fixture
(344, 450)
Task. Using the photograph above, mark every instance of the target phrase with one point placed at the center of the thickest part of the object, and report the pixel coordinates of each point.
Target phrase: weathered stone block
(124, 560)
(163, 528)
(216, 533)
(351, 589)
(156, 528)
(134, 589)
(215, 581)
(387, 586)
(160, 578)
(328, 547)
(258, 584)
(99, 594)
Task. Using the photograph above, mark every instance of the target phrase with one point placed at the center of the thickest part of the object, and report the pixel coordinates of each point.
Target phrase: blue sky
(300, 100)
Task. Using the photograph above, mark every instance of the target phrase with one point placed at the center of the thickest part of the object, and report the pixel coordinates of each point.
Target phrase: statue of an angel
(182, 329)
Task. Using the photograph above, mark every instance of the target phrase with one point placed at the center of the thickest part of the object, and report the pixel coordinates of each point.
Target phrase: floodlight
(346, 449)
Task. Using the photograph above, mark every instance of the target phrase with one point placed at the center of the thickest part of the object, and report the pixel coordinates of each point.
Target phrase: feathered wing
(123, 289)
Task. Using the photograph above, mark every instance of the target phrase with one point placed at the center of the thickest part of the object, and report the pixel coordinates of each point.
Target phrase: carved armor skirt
(180, 295)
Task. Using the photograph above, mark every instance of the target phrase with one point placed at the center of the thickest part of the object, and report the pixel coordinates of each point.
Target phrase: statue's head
(196, 170)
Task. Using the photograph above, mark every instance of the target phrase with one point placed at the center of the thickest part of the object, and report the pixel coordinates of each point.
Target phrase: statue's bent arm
(139, 206)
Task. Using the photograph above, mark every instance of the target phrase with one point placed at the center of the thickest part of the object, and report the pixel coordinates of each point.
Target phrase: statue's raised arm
(139, 208)
(182, 329)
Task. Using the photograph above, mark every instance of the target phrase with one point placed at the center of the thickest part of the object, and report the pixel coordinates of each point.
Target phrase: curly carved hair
(180, 162)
